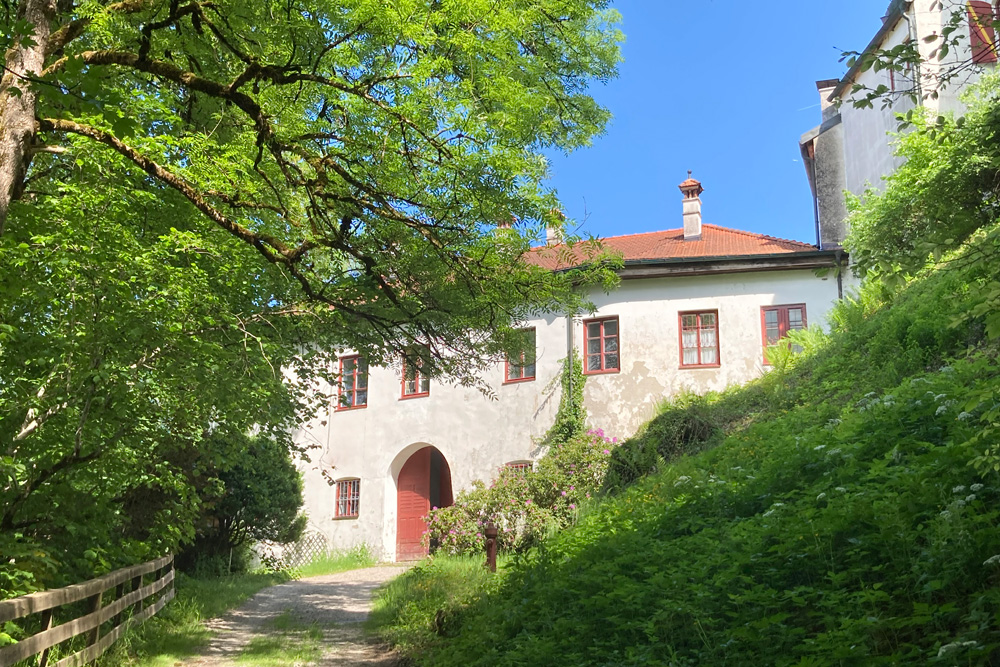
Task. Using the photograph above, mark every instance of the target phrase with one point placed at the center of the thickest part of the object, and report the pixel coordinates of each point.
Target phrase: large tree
(201, 202)
(368, 149)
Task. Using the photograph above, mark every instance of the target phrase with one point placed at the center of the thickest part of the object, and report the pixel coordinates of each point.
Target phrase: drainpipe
(911, 34)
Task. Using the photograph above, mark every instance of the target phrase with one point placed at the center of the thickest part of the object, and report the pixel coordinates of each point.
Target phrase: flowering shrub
(525, 505)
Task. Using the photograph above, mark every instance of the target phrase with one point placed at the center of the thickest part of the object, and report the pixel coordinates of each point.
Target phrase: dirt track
(333, 606)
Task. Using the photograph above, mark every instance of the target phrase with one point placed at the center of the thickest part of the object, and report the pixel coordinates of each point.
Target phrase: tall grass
(420, 606)
(337, 561)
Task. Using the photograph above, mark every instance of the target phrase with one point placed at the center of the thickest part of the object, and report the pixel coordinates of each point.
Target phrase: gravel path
(333, 604)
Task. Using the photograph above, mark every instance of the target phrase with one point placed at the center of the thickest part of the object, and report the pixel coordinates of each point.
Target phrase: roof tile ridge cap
(756, 234)
(628, 236)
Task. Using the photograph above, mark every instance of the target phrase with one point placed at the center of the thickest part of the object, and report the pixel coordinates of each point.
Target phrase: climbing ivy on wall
(571, 418)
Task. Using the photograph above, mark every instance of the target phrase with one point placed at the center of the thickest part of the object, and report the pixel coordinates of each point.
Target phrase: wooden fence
(143, 582)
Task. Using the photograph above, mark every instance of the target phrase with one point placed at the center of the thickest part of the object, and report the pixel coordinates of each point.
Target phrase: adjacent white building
(694, 311)
(852, 148)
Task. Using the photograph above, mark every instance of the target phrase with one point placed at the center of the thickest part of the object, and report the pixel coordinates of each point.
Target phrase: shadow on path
(336, 604)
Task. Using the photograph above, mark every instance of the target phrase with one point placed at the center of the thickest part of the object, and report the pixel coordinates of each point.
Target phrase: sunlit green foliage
(424, 603)
(946, 190)
(525, 505)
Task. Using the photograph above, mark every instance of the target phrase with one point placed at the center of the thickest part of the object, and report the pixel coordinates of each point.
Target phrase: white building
(852, 149)
(693, 312)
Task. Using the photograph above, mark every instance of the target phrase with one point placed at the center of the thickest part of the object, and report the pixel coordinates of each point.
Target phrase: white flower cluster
(948, 648)
(992, 560)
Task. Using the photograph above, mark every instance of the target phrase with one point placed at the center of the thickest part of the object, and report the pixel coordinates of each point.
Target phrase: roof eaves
(816, 253)
(735, 258)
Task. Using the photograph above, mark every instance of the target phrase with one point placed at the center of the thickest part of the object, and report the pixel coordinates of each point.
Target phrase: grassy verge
(178, 631)
(339, 561)
(420, 607)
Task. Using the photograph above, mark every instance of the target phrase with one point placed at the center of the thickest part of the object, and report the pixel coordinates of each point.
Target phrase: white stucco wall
(869, 144)
(650, 358)
(477, 435)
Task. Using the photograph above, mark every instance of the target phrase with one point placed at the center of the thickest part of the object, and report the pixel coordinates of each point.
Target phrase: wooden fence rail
(134, 587)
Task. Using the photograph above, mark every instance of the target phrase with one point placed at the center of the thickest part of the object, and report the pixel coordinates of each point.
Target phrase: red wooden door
(412, 505)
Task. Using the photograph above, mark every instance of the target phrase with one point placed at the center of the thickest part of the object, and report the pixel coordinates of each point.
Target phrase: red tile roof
(717, 242)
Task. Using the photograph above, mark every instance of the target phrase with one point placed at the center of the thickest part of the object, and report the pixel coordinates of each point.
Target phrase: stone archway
(424, 481)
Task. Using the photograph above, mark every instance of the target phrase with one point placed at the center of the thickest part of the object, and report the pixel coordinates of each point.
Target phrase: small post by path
(491, 547)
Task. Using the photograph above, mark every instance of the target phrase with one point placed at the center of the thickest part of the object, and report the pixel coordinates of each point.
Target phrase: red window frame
(602, 337)
(698, 327)
(421, 382)
(784, 323)
(522, 467)
(348, 503)
(351, 383)
(527, 370)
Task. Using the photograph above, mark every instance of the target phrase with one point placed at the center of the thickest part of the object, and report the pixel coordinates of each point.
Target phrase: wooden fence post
(491, 547)
(95, 605)
(43, 657)
(119, 590)
(136, 585)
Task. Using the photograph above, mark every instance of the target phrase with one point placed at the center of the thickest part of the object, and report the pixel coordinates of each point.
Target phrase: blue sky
(723, 88)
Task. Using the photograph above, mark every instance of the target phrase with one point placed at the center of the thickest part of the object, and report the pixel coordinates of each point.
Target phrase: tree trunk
(18, 99)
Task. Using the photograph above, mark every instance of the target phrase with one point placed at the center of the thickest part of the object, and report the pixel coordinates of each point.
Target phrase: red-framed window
(602, 349)
(777, 321)
(520, 467)
(353, 383)
(982, 31)
(348, 498)
(520, 367)
(699, 338)
(415, 380)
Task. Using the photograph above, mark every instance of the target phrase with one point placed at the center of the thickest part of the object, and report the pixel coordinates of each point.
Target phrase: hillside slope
(841, 512)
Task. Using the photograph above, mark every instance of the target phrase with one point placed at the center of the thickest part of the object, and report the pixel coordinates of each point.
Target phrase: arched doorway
(424, 482)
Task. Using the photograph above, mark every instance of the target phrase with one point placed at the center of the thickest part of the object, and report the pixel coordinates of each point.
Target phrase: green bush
(525, 505)
(689, 424)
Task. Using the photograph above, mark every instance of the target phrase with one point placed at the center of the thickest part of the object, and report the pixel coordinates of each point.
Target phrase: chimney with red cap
(692, 208)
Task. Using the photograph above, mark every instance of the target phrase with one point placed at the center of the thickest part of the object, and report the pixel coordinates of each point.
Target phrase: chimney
(825, 88)
(553, 235)
(692, 208)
